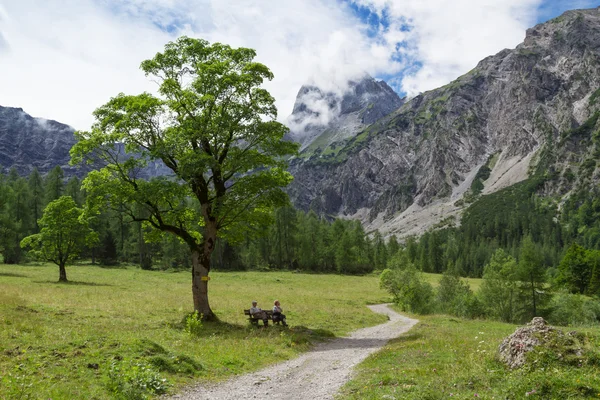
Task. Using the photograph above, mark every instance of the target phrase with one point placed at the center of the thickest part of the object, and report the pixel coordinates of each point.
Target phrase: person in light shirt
(258, 313)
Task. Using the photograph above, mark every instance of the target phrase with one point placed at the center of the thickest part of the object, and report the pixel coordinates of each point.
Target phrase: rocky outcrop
(537, 334)
(511, 107)
(27, 142)
(322, 118)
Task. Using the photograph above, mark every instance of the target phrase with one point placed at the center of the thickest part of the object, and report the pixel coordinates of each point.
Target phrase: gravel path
(315, 375)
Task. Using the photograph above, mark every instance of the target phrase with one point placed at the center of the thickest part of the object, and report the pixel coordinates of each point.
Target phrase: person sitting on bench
(277, 313)
(258, 313)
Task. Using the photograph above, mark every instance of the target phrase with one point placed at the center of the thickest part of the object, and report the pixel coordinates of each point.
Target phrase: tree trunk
(200, 286)
(62, 273)
(533, 294)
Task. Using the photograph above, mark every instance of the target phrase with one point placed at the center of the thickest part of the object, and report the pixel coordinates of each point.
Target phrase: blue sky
(61, 59)
(553, 8)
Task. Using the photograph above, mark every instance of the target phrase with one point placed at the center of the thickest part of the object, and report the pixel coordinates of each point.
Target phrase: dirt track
(316, 375)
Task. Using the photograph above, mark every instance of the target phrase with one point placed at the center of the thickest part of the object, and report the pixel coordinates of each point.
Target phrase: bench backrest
(269, 312)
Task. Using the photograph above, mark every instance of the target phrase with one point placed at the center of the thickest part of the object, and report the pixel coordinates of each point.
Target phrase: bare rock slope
(512, 113)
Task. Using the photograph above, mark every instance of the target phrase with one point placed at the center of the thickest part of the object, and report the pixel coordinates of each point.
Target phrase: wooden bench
(254, 321)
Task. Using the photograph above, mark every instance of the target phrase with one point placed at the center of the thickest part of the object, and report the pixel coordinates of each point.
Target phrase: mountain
(525, 111)
(323, 119)
(27, 142)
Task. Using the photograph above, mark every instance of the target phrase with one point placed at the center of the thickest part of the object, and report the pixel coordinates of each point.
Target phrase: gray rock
(513, 350)
(513, 105)
(27, 143)
(322, 118)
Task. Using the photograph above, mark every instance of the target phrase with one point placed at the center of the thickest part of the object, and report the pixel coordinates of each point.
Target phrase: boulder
(513, 350)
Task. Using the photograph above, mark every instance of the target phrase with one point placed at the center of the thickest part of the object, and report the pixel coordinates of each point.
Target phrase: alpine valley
(400, 166)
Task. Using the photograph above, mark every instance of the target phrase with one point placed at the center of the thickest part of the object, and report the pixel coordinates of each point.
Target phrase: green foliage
(306, 242)
(575, 270)
(214, 126)
(498, 220)
(499, 290)
(54, 184)
(193, 324)
(409, 289)
(584, 130)
(581, 218)
(454, 297)
(63, 234)
(594, 97)
(569, 309)
(482, 175)
(444, 357)
(532, 275)
(134, 381)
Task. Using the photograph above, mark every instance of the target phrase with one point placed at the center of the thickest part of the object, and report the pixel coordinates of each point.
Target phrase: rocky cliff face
(27, 142)
(323, 119)
(516, 112)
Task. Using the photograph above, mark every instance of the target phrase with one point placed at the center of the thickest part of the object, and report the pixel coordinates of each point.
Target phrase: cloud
(71, 56)
(448, 37)
(67, 57)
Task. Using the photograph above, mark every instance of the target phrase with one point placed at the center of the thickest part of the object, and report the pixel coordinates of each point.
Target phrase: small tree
(531, 273)
(409, 289)
(454, 296)
(575, 270)
(499, 288)
(63, 234)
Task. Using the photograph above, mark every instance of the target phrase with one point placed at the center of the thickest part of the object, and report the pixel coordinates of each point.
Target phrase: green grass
(58, 340)
(434, 280)
(443, 357)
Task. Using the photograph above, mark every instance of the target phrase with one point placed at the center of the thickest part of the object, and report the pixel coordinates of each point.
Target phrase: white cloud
(68, 57)
(449, 37)
(63, 58)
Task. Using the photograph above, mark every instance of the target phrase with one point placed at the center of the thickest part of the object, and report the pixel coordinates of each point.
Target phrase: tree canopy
(63, 234)
(213, 126)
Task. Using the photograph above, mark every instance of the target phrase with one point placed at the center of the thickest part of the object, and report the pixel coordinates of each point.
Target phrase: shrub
(454, 297)
(193, 324)
(134, 381)
(573, 310)
(499, 289)
(409, 290)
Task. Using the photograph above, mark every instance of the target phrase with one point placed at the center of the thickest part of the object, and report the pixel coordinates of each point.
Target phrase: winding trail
(315, 375)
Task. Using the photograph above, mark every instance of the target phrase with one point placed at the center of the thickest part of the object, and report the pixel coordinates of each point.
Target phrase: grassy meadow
(59, 341)
(65, 341)
(444, 357)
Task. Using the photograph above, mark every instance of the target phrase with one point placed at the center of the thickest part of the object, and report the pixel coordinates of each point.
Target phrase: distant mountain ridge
(27, 143)
(519, 112)
(405, 166)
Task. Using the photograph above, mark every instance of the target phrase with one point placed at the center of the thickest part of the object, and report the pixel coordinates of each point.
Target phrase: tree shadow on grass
(407, 337)
(74, 283)
(13, 275)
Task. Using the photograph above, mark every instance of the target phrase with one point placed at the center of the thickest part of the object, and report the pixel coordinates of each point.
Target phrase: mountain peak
(343, 112)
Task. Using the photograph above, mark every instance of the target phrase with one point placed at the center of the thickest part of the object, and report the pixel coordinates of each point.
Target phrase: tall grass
(60, 341)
